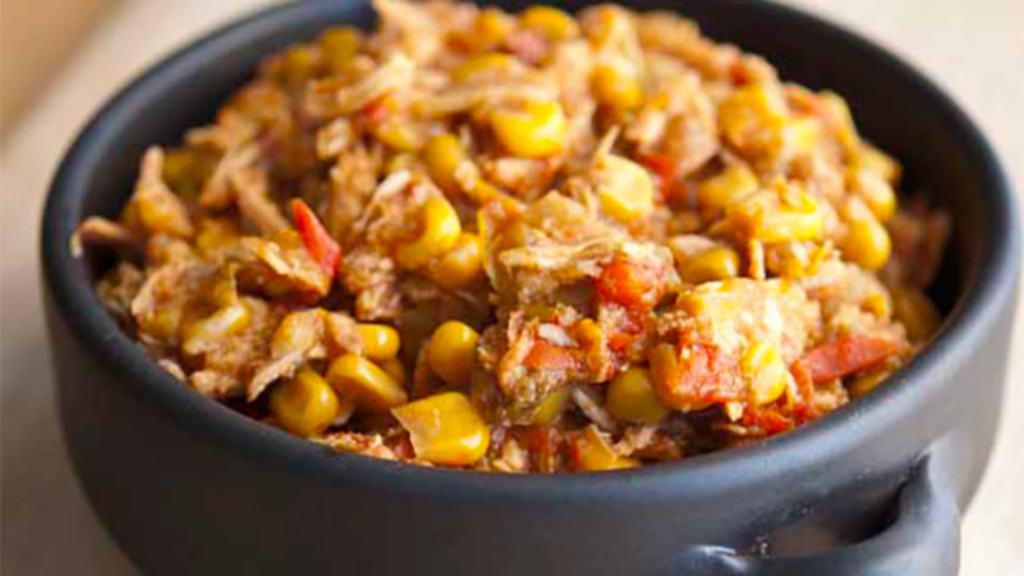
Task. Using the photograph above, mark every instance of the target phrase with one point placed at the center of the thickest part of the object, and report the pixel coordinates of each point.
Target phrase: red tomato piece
(324, 249)
(546, 356)
(843, 356)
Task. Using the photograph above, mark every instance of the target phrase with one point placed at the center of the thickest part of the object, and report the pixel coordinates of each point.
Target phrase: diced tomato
(698, 375)
(843, 356)
(620, 341)
(769, 421)
(377, 111)
(665, 171)
(546, 356)
(324, 249)
(545, 445)
(628, 285)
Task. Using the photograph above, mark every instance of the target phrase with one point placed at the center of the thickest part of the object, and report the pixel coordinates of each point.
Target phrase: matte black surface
(189, 487)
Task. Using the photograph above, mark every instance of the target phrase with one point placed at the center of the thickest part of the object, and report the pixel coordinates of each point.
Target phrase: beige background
(974, 48)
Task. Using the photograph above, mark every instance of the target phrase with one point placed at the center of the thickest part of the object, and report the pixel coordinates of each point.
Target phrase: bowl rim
(66, 279)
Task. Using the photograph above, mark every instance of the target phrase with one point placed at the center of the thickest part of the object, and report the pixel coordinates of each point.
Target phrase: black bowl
(189, 487)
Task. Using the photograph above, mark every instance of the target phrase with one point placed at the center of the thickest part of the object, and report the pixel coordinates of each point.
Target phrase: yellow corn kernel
(916, 312)
(866, 244)
(215, 233)
(452, 352)
(867, 383)
(338, 46)
(593, 454)
(616, 87)
(380, 342)
(606, 24)
(159, 213)
(552, 22)
(625, 189)
(394, 368)
(401, 134)
(782, 213)
(873, 189)
(536, 130)
(490, 29)
(801, 135)
(305, 405)
(300, 63)
(440, 232)
(842, 120)
(551, 407)
(492, 62)
(460, 267)
(752, 119)
(443, 155)
(202, 334)
(765, 371)
(163, 323)
(874, 160)
(877, 304)
(365, 383)
(715, 264)
(445, 429)
(186, 170)
(732, 184)
(631, 397)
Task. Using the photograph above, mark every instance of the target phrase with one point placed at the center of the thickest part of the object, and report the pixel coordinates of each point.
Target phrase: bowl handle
(924, 540)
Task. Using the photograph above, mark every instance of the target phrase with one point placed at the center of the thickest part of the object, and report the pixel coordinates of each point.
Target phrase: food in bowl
(524, 243)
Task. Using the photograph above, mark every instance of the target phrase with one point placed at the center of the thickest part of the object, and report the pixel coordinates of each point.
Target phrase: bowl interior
(943, 155)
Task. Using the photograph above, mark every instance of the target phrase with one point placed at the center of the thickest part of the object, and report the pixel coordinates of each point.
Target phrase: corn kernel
(732, 184)
(300, 64)
(867, 383)
(395, 369)
(215, 233)
(401, 134)
(464, 264)
(551, 407)
(916, 312)
(625, 189)
(874, 191)
(452, 352)
(443, 154)
(305, 405)
(715, 264)
(616, 88)
(380, 342)
(162, 213)
(535, 131)
(780, 214)
(202, 334)
(866, 244)
(874, 160)
(492, 26)
(593, 454)
(631, 397)
(752, 119)
(445, 429)
(801, 135)
(440, 232)
(360, 380)
(765, 372)
(877, 304)
(553, 23)
(492, 62)
(338, 46)
(842, 120)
